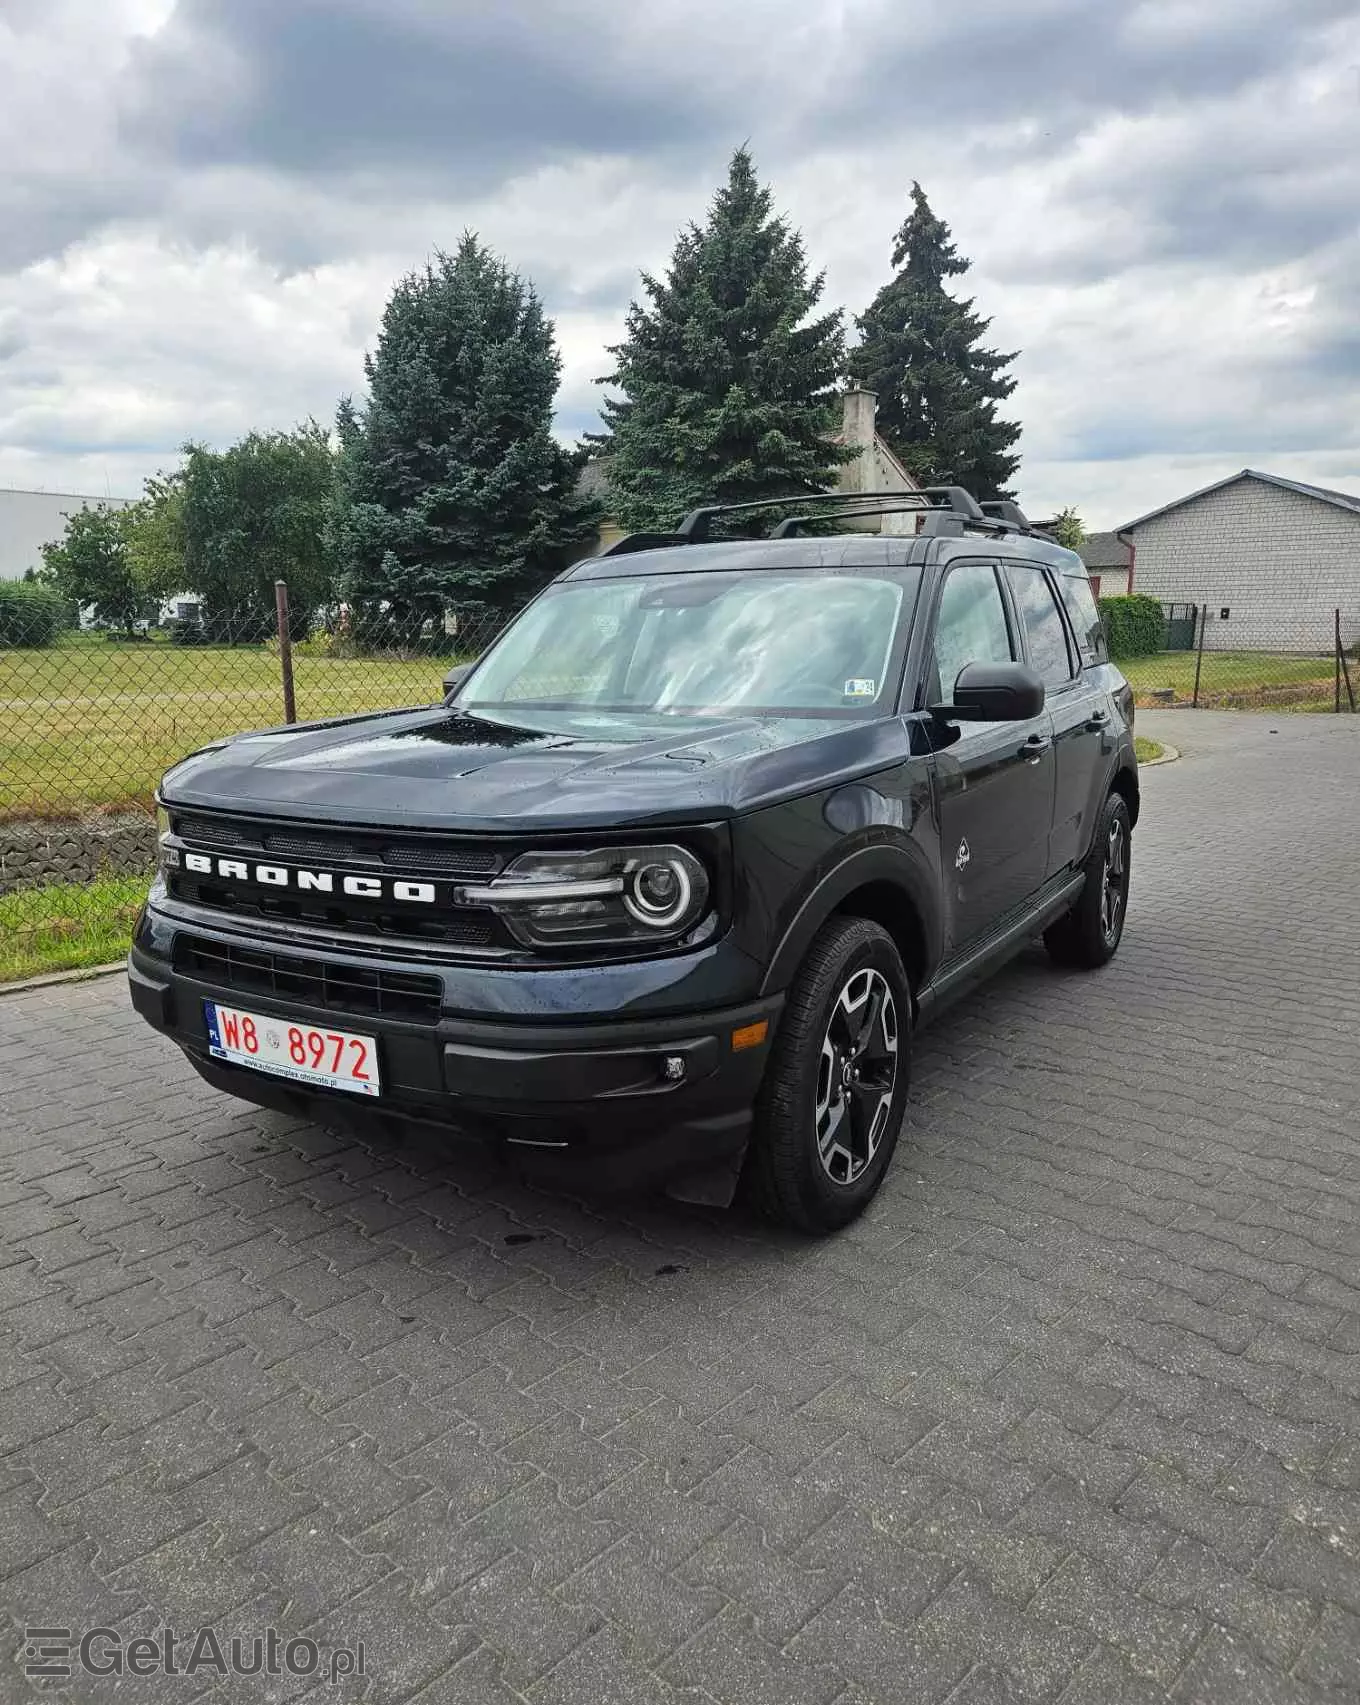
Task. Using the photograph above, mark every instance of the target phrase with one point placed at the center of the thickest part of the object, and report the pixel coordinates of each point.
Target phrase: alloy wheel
(857, 1076)
(1114, 881)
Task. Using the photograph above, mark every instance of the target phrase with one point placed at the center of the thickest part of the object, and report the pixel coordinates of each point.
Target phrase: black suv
(661, 890)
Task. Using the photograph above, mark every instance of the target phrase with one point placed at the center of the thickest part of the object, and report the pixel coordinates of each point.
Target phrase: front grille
(364, 848)
(210, 830)
(458, 927)
(313, 982)
(395, 855)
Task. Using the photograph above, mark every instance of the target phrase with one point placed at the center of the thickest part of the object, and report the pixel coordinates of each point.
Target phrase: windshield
(698, 644)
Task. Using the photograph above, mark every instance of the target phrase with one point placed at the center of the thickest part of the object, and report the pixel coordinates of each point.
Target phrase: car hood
(448, 769)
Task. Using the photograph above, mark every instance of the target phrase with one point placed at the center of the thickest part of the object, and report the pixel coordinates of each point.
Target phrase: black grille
(443, 859)
(303, 846)
(459, 927)
(313, 982)
(438, 857)
(209, 829)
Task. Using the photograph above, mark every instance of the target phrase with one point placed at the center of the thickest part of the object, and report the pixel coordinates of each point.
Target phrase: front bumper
(578, 1101)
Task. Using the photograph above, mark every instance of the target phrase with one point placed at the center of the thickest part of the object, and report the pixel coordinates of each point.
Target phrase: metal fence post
(285, 650)
(1199, 655)
(1336, 660)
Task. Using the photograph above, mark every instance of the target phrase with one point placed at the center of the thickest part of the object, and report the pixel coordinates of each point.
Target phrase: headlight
(613, 896)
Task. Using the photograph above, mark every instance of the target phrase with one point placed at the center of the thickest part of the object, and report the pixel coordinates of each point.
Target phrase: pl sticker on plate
(861, 688)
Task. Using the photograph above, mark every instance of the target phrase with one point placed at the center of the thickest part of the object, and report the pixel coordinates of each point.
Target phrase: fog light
(673, 1068)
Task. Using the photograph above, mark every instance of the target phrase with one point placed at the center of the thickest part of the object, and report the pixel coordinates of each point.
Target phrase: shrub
(31, 614)
(1135, 626)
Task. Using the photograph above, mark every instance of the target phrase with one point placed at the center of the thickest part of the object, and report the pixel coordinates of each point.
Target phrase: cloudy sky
(204, 203)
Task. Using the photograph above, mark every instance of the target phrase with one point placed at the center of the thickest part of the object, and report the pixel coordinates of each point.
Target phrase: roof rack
(631, 542)
(952, 499)
(891, 503)
(947, 510)
(1002, 509)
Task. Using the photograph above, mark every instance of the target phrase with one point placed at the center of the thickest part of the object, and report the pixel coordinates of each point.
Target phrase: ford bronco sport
(662, 889)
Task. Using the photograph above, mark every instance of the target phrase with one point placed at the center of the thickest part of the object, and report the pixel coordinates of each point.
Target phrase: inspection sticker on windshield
(860, 688)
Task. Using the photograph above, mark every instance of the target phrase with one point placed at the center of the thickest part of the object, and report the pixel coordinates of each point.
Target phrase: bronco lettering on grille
(310, 881)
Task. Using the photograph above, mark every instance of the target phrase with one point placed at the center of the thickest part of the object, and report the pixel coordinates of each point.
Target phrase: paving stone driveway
(1073, 1414)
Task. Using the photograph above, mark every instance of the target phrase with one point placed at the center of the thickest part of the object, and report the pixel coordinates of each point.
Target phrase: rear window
(1084, 616)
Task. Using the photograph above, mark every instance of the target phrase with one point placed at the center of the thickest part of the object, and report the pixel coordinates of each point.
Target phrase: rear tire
(835, 1088)
(1089, 936)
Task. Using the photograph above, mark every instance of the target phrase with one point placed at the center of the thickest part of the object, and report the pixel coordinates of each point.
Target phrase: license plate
(329, 1059)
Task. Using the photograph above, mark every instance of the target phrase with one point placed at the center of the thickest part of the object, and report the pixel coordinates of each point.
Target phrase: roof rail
(952, 498)
(1002, 509)
(642, 542)
(945, 510)
(892, 503)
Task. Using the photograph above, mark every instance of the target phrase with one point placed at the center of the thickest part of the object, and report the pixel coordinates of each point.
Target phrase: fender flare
(896, 865)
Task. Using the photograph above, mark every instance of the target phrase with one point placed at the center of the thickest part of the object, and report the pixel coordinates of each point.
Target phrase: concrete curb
(1169, 756)
(83, 975)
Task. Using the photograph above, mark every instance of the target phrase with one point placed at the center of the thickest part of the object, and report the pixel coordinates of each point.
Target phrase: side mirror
(455, 678)
(993, 692)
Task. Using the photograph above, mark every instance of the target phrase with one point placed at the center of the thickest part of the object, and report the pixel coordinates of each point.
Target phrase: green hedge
(31, 614)
(1135, 626)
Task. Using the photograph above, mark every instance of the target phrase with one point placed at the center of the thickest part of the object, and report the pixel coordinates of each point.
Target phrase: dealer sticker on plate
(328, 1059)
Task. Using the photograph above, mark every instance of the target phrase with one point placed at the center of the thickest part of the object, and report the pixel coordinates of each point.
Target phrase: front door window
(971, 626)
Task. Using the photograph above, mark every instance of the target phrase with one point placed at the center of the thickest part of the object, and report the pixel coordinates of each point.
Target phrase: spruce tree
(728, 387)
(920, 351)
(453, 494)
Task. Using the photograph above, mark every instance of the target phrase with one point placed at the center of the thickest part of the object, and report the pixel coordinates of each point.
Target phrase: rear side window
(1042, 622)
(1082, 612)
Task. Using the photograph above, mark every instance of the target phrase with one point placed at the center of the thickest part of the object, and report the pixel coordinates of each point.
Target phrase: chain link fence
(1210, 657)
(90, 718)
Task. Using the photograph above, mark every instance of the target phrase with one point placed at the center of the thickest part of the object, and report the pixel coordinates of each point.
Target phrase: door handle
(1097, 720)
(1034, 748)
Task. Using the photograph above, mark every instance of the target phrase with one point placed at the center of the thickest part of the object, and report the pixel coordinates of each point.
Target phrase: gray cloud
(1064, 63)
(456, 98)
(205, 202)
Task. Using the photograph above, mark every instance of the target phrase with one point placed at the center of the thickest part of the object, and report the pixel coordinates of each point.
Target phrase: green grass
(1234, 680)
(90, 722)
(1146, 750)
(68, 925)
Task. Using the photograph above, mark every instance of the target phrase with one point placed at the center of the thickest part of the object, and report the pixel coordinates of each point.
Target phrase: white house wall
(31, 519)
(1114, 582)
(1279, 562)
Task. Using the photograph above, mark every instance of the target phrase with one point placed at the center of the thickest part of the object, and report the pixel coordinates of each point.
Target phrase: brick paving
(1072, 1415)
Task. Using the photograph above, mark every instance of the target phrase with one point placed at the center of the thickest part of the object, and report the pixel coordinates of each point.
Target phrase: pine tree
(453, 493)
(728, 388)
(937, 389)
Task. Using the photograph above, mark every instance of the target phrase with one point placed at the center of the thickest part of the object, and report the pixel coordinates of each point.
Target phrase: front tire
(835, 1089)
(1089, 936)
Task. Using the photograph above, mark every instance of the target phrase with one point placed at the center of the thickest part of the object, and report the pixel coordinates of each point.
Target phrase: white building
(1270, 559)
(31, 519)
